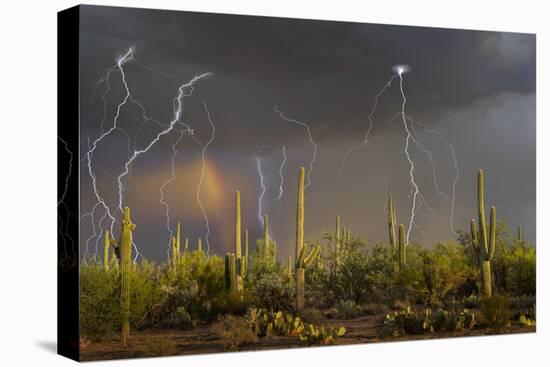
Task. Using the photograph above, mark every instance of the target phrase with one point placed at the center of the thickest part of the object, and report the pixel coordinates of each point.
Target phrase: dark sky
(476, 88)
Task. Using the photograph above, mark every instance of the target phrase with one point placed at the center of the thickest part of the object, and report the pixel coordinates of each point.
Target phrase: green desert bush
(99, 301)
(496, 311)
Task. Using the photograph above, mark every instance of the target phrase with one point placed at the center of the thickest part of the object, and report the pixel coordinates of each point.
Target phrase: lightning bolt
(165, 129)
(281, 174)
(63, 228)
(365, 141)
(312, 142)
(412, 180)
(203, 169)
(455, 164)
(262, 193)
(163, 187)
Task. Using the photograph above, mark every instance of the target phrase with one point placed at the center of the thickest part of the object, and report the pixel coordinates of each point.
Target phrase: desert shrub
(234, 331)
(312, 315)
(445, 269)
(99, 301)
(496, 311)
(269, 286)
(344, 310)
(514, 269)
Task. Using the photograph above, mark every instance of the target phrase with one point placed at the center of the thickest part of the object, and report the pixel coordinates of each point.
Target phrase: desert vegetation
(337, 289)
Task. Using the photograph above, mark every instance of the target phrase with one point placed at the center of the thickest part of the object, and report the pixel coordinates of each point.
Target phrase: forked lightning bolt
(281, 168)
(365, 141)
(262, 184)
(165, 130)
(455, 163)
(310, 138)
(400, 71)
(203, 170)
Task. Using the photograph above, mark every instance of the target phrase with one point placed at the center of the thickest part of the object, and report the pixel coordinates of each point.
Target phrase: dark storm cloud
(333, 69)
(477, 88)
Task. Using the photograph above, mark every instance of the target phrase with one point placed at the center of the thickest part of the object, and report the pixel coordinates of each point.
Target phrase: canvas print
(238, 183)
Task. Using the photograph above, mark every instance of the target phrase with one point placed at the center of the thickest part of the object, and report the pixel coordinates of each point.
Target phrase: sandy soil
(202, 340)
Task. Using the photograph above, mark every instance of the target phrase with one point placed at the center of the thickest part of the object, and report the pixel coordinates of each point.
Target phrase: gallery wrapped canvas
(237, 183)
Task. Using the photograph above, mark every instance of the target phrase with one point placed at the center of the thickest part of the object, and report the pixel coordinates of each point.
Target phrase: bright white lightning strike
(262, 192)
(281, 174)
(310, 138)
(203, 170)
(400, 71)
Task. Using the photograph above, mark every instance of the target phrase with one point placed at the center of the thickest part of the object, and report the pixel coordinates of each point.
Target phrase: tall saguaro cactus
(337, 236)
(239, 264)
(174, 247)
(106, 243)
(402, 248)
(266, 235)
(178, 241)
(199, 245)
(245, 263)
(392, 219)
(230, 273)
(302, 261)
(484, 244)
(125, 244)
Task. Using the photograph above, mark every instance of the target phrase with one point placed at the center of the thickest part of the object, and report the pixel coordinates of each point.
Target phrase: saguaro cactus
(402, 248)
(106, 243)
(266, 236)
(238, 258)
(392, 219)
(173, 246)
(230, 273)
(302, 261)
(245, 262)
(199, 245)
(519, 237)
(125, 244)
(186, 248)
(178, 241)
(337, 236)
(484, 244)
(289, 266)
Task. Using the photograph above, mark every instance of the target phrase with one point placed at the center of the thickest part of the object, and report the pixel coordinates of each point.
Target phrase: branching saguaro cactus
(402, 248)
(483, 243)
(392, 219)
(302, 261)
(106, 244)
(125, 245)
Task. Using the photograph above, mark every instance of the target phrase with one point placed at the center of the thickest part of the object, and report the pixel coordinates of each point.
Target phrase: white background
(28, 182)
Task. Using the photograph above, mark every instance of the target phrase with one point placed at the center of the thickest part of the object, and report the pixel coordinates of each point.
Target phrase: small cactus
(230, 273)
(199, 245)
